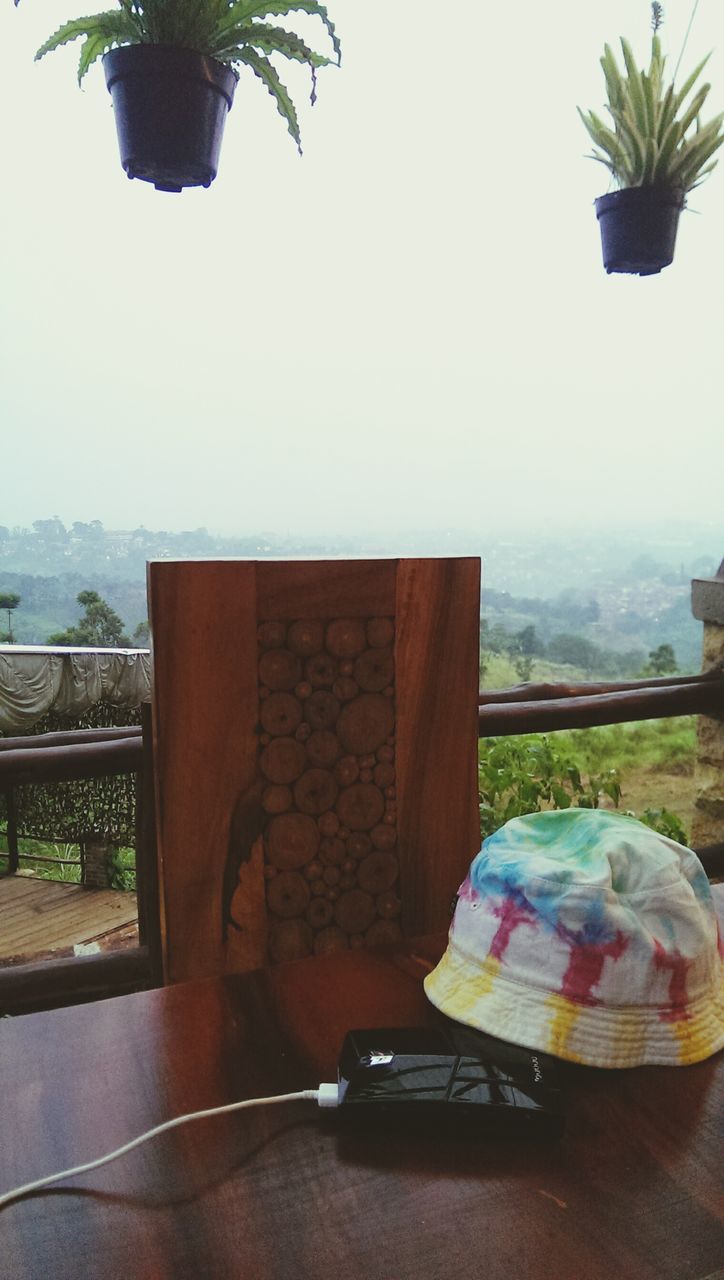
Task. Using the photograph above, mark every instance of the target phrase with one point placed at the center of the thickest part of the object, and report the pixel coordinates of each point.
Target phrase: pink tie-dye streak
(466, 893)
(511, 915)
(679, 966)
(585, 967)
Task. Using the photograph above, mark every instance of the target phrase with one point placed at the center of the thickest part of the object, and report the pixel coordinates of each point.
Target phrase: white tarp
(70, 681)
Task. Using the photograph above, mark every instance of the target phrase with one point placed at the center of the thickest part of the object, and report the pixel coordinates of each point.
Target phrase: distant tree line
(99, 626)
(568, 649)
(8, 604)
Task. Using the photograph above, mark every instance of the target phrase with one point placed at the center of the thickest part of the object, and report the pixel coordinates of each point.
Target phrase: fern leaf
(242, 11)
(92, 49)
(277, 40)
(101, 31)
(263, 68)
(269, 40)
(72, 30)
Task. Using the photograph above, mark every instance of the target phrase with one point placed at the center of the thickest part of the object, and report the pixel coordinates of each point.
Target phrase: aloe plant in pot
(171, 67)
(657, 151)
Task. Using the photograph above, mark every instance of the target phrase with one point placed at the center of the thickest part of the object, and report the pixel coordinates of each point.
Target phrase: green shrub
(525, 774)
(521, 775)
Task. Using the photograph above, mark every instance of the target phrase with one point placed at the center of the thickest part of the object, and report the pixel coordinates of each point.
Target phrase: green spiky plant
(235, 32)
(656, 139)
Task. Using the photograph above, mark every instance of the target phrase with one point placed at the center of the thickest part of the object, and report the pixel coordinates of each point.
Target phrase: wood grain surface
(42, 916)
(437, 750)
(312, 676)
(629, 1192)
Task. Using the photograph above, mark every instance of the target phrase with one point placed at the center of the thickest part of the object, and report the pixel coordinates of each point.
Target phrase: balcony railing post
(12, 830)
(707, 604)
(96, 853)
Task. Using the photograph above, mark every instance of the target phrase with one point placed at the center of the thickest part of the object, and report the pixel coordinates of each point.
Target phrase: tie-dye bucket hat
(585, 934)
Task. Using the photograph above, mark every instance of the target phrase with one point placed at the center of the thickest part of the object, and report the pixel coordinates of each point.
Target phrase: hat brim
(596, 1035)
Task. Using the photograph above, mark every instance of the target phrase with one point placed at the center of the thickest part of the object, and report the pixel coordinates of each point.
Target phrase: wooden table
(628, 1193)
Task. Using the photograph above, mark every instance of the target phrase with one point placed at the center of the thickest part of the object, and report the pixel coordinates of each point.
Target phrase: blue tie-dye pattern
(506, 867)
(546, 900)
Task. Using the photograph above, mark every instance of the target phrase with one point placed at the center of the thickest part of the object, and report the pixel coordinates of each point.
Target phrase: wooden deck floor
(41, 919)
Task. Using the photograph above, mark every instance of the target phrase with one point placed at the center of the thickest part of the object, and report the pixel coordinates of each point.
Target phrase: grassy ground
(654, 759)
(501, 674)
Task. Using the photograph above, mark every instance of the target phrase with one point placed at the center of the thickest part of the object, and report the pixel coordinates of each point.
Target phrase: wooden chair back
(315, 753)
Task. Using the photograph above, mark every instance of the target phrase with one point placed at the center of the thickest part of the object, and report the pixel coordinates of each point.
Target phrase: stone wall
(707, 602)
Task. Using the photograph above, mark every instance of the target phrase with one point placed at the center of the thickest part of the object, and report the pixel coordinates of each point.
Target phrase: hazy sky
(410, 327)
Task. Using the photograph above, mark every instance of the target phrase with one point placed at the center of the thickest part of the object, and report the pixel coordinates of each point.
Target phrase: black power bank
(457, 1079)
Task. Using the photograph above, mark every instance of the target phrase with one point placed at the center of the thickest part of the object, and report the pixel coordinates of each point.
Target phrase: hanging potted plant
(171, 67)
(657, 151)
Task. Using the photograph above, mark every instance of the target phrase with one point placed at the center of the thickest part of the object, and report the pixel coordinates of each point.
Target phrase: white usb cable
(326, 1096)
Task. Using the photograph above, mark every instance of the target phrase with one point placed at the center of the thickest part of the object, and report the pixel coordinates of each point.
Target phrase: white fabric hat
(585, 934)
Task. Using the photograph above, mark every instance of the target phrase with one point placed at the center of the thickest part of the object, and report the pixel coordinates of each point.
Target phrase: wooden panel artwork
(327, 759)
(315, 739)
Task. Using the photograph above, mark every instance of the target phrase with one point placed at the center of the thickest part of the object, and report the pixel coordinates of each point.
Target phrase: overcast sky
(410, 327)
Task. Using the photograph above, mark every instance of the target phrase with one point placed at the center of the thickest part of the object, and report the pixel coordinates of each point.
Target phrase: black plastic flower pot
(638, 228)
(170, 106)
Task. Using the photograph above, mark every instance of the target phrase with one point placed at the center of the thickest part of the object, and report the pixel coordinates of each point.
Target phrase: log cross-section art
(315, 751)
(327, 720)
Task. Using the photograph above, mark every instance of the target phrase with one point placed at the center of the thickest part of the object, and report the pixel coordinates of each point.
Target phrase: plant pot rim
(654, 192)
(171, 59)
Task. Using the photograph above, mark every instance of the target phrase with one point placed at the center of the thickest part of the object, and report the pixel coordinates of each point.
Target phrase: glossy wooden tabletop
(629, 1192)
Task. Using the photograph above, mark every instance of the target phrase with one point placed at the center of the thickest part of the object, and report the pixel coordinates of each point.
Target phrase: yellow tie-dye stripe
(695, 1042)
(461, 997)
(565, 1017)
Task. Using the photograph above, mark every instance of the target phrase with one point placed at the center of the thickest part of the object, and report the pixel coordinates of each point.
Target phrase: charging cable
(325, 1096)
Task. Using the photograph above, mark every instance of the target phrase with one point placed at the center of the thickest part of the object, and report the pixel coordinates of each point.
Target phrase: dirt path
(655, 789)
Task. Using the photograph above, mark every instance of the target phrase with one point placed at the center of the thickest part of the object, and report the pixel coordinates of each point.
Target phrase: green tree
(9, 601)
(50, 530)
(500, 640)
(523, 666)
(662, 661)
(99, 628)
(528, 642)
(575, 651)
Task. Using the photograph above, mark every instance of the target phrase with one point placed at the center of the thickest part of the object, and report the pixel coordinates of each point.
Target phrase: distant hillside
(49, 604)
(623, 592)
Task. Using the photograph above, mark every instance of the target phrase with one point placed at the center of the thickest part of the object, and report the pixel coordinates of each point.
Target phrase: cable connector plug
(328, 1095)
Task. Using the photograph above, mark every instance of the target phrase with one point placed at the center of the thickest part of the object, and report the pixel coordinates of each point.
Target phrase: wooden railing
(63, 757)
(88, 753)
(68, 756)
(541, 708)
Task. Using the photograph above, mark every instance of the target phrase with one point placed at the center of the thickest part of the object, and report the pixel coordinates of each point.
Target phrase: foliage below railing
(69, 811)
(524, 775)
